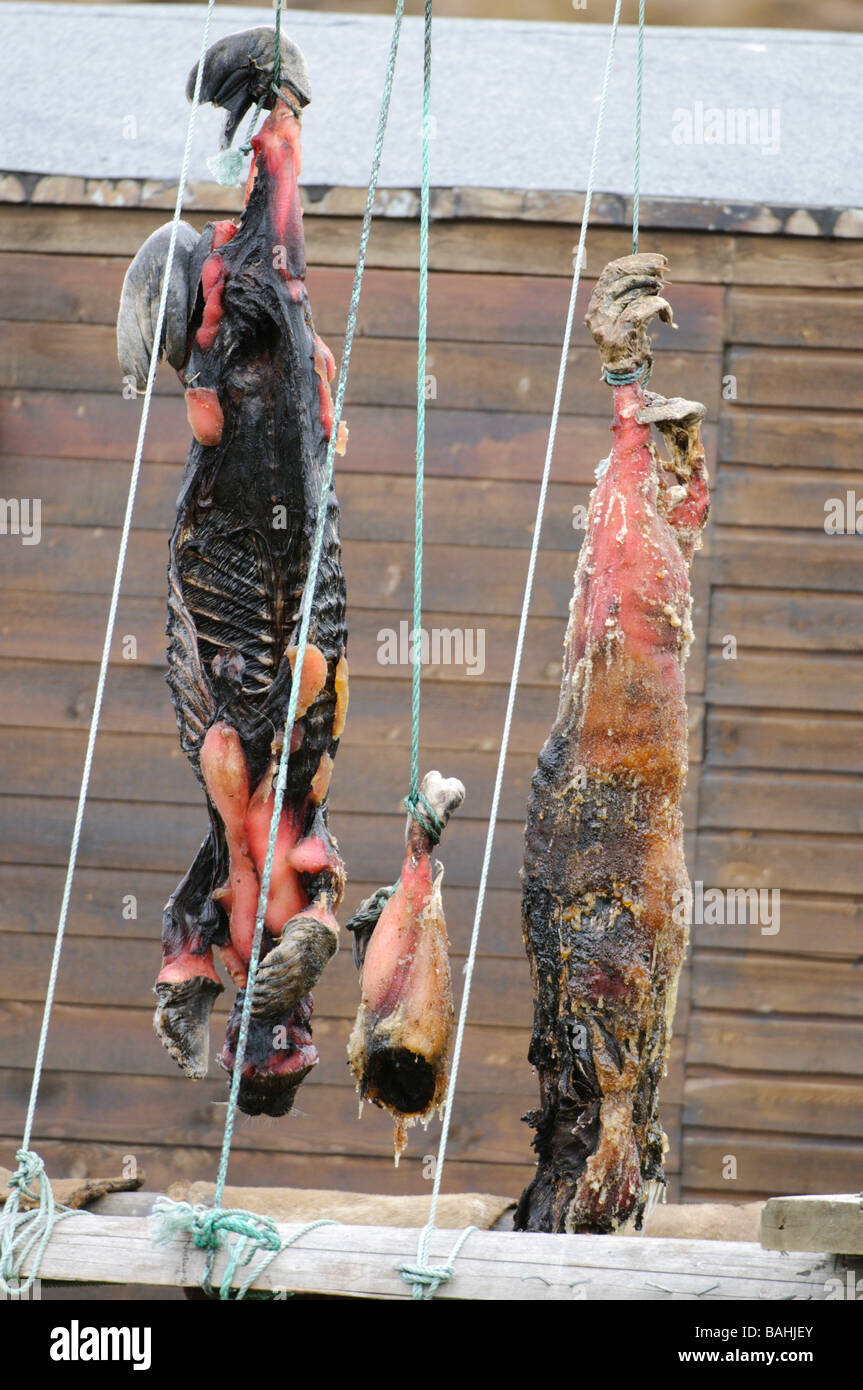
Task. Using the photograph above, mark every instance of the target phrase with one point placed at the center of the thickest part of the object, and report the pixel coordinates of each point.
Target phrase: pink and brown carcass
(604, 881)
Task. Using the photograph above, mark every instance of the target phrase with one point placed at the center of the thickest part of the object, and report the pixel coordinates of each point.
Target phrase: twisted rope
(636, 175)
(425, 1236)
(308, 599)
(420, 808)
(422, 335)
(39, 1223)
(426, 1279)
(24, 1232)
(211, 1230)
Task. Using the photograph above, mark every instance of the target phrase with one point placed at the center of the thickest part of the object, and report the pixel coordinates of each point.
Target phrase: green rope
(308, 599)
(425, 816)
(211, 1230)
(425, 1278)
(636, 179)
(626, 378)
(28, 1231)
(422, 333)
(421, 1267)
(20, 1233)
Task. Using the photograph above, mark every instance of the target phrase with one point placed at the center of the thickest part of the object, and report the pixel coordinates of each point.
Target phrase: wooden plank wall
(765, 1065)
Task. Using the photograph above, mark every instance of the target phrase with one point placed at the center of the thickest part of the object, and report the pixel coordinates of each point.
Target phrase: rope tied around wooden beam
(425, 1278)
(211, 1228)
(24, 1232)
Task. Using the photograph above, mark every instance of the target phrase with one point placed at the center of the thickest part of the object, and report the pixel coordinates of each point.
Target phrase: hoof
(238, 72)
(182, 1022)
(293, 967)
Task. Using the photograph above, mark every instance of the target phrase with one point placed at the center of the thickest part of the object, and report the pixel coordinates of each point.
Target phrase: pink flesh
(212, 284)
(325, 367)
(624, 591)
(286, 897)
(391, 950)
(226, 775)
(205, 415)
(187, 966)
(278, 144)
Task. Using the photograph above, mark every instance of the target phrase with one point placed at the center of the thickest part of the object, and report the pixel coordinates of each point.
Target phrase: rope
(425, 1278)
(308, 597)
(27, 1230)
(227, 165)
(425, 816)
(28, 1161)
(425, 1236)
(211, 1230)
(636, 177)
(626, 378)
(422, 334)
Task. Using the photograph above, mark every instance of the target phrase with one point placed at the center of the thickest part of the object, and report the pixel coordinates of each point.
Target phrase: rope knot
(422, 811)
(426, 1279)
(626, 378)
(30, 1169)
(23, 1232)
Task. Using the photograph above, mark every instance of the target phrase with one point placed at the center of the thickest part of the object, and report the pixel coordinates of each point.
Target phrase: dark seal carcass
(238, 330)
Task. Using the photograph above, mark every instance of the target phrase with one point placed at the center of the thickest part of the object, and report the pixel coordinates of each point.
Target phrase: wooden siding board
(779, 731)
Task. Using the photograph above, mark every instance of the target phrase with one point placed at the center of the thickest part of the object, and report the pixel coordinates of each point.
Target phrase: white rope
(425, 1234)
(115, 594)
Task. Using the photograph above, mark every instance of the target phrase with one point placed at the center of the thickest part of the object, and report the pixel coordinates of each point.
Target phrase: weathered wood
(744, 800)
(819, 1223)
(803, 1045)
(766, 1164)
(471, 245)
(470, 308)
(362, 1261)
(788, 498)
(165, 1164)
(788, 377)
(800, 620)
(790, 1106)
(814, 742)
(374, 507)
(789, 439)
(463, 443)
(759, 559)
(148, 769)
(119, 974)
(477, 580)
(468, 717)
(504, 376)
(722, 980)
(785, 680)
(31, 897)
(810, 926)
(786, 317)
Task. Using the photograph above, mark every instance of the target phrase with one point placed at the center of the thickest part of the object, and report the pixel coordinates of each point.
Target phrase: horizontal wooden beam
(362, 1261)
(814, 1223)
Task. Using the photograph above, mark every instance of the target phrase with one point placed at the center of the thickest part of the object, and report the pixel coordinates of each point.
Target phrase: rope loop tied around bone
(626, 378)
(422, 811)
(22, 1232)
(211, 1228)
